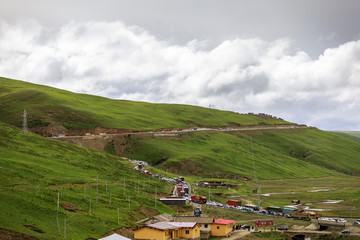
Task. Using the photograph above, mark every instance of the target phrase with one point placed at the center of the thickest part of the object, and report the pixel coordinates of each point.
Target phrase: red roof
(223, 221)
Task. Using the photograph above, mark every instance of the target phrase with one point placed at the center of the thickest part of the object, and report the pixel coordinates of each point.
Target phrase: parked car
(283, 228)
(357, 223)
(245, 226)
(345, 232)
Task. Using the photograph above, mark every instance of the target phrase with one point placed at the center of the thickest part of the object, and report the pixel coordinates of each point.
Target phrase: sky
(298, 60)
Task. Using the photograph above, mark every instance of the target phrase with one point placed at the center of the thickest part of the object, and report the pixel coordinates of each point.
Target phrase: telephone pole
(24, 126)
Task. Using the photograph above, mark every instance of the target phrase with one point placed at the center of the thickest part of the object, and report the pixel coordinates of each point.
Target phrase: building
(174, 201)
(204, 222)
(168, 230)
(222, 227)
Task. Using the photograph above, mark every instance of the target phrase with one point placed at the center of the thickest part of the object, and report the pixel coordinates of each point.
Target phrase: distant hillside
(278, 154)
(53, 111)
(34, 170)
(354, 135)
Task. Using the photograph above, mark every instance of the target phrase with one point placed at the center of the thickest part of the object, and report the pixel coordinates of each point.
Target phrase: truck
(274, 210)
(198, 199)
(234, 203)
(304, 215)
(186, 189)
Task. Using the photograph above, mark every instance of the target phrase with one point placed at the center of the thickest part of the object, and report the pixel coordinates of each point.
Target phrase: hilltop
(52, 111)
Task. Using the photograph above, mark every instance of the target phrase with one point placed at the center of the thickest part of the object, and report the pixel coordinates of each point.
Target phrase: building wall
(193, 233)
(203, 228)
(149, 233)
(221, 230)
(153, 234)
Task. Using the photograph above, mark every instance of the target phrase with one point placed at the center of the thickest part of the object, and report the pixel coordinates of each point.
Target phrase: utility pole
(255, 177)
(209, 193)
(124, 187)
(97, 188)
(57, 212)
(155, 196)
(24, 126)
(64, 228)
(110, 198)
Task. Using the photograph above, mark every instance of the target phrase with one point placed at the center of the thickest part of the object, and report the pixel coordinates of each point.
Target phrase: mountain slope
(90, 184)
(48, 106)
(294, 153)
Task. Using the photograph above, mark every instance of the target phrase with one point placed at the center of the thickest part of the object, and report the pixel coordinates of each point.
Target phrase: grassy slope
(80, 111)
(354, 135)
(33, 169)
(297, 154)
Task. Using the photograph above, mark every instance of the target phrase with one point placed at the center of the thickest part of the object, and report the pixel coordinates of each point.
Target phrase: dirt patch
(148, 211)
(11, 235)
(126, 232)
(68, 206)
(35, 229)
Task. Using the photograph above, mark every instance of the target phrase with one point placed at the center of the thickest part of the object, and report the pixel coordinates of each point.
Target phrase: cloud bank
(118, 61)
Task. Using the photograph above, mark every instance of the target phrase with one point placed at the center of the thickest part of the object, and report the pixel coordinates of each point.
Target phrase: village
(196, 225)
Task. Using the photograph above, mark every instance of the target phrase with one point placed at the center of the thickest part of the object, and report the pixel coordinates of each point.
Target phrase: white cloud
(118, 61)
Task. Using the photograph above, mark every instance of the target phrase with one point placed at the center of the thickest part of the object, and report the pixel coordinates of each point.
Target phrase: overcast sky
(299, 60)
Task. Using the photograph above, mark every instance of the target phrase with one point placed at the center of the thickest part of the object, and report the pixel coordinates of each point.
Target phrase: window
(217, 227)
(187, 232)
(206, 225)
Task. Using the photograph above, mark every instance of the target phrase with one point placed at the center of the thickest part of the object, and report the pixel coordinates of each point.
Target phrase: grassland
(46, 105)
(34, 170)
(266, 155)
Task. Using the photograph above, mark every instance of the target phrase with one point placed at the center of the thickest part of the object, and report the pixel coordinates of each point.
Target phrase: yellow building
(222, 227)
(168, 230)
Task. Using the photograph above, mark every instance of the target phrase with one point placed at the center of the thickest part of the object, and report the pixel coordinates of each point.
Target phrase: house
(169, 230)
(204, 222)
(115, 236)
(222, 227)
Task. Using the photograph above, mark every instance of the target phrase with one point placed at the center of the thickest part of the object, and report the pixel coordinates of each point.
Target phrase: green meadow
(94, 188)
(267, 155)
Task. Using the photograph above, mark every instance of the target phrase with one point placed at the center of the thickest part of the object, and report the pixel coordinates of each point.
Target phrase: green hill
(277, 154)
(48, 106)
(354, 135)
(34, 170)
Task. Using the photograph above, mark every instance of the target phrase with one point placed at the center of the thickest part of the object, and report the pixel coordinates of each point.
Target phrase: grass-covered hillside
(354, 135)
(294, 153)
(46, 105)
(90, 184)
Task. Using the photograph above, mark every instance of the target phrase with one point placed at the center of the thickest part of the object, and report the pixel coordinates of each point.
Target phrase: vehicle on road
(283, 228)
(198, 199)
(345, 232)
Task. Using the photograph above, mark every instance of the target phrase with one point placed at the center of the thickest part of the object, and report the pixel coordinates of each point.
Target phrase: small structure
(169, 230)
(205, 224)
(115, 236)
(173, 201)
(222, 227)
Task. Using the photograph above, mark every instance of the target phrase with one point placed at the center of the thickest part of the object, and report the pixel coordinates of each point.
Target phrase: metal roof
(223, 221)
(171, 225)
(115, 236)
